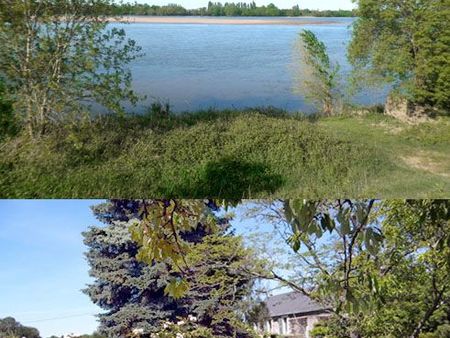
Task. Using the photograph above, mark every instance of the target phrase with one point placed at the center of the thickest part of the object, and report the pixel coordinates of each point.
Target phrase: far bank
(202, 20)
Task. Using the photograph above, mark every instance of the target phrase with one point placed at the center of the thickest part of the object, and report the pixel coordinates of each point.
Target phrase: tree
(382, 267)
(296, 10)
(58, 58)
(130, 292)
(417, 243)
(10, 328)
(219, 281)
(357, 258)
(318, 77)
(405, 43)
(147, 295)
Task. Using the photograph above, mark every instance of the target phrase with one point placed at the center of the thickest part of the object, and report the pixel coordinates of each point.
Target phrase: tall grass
(228, 154)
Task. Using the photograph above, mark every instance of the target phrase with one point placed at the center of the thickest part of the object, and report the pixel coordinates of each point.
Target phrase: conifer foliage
(134, 293)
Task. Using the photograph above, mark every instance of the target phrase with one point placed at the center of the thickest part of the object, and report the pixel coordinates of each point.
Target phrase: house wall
(293, 326)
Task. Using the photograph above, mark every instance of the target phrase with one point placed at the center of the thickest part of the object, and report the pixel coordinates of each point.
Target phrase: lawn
(231, 154)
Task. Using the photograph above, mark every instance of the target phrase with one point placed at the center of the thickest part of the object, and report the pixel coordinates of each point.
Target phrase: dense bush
(9, 125)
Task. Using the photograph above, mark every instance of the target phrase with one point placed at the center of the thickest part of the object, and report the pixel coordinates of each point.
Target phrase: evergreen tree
(220, 282)
(135, 294)
(131, 292)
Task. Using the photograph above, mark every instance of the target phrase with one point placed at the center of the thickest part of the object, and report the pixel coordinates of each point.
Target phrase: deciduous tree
(317, 77)
(405, 43)
(58, 57)
(382, 267)
(10, 328)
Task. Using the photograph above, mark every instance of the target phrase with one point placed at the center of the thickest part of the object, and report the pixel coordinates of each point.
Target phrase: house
(292, 315)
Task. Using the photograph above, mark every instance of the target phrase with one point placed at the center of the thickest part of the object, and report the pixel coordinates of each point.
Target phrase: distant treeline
(227, 9)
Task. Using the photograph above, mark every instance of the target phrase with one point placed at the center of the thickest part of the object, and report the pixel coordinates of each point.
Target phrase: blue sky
(311, 4)
(42, 264)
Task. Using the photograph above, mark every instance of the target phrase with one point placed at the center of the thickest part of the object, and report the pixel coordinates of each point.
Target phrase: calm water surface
(196, 66)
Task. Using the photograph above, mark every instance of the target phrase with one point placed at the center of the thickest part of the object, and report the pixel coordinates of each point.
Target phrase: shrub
(9, 125)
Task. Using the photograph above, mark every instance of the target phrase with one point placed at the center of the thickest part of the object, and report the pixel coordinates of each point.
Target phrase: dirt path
(436, 164)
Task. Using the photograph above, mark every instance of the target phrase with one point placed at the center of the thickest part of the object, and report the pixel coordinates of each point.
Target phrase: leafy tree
(405, 43)
(382, 267)
(10, 328)
(145, 296)
(417, 244)
(318, 77)
(58, 57)
(219, 9)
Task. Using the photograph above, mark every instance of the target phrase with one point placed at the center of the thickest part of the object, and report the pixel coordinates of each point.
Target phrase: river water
(197, 66)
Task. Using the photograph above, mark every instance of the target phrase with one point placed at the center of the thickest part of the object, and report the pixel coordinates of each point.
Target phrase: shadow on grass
(232, 179)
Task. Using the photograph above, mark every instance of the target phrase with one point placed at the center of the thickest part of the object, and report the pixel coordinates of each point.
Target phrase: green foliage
(8, 122)
(58, 68)
(158, 231)
(170, 289)
(10, 328)
(255, 153)
(321, 330)
(405, 43)
(185, 329)
(442, 331)
(220, 275)
(349, 221)
(318, 78)
(371, 288)
(219, 154)
(130, 293)
(257, 313)
(219, 9)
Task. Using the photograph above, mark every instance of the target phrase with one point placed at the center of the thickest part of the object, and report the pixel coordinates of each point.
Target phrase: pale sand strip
(220, 21)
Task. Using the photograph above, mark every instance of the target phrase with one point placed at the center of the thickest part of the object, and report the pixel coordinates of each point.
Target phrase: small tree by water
(317, 78)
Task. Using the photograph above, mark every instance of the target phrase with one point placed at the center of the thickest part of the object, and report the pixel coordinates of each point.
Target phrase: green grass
(231, 154)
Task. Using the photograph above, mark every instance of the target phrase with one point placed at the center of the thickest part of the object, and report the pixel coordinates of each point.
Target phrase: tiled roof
(291, 303)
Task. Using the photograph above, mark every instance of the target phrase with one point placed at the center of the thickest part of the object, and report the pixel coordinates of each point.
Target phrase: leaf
(294, 242)
(327, 223)
(370, 242)
(176, 288)
(345, 228)
(296, 245)
(343, 220)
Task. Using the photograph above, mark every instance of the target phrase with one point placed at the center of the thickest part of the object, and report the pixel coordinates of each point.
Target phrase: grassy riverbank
(256, 153)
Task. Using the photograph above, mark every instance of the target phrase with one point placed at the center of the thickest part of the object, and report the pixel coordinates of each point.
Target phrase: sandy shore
(221, 21)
